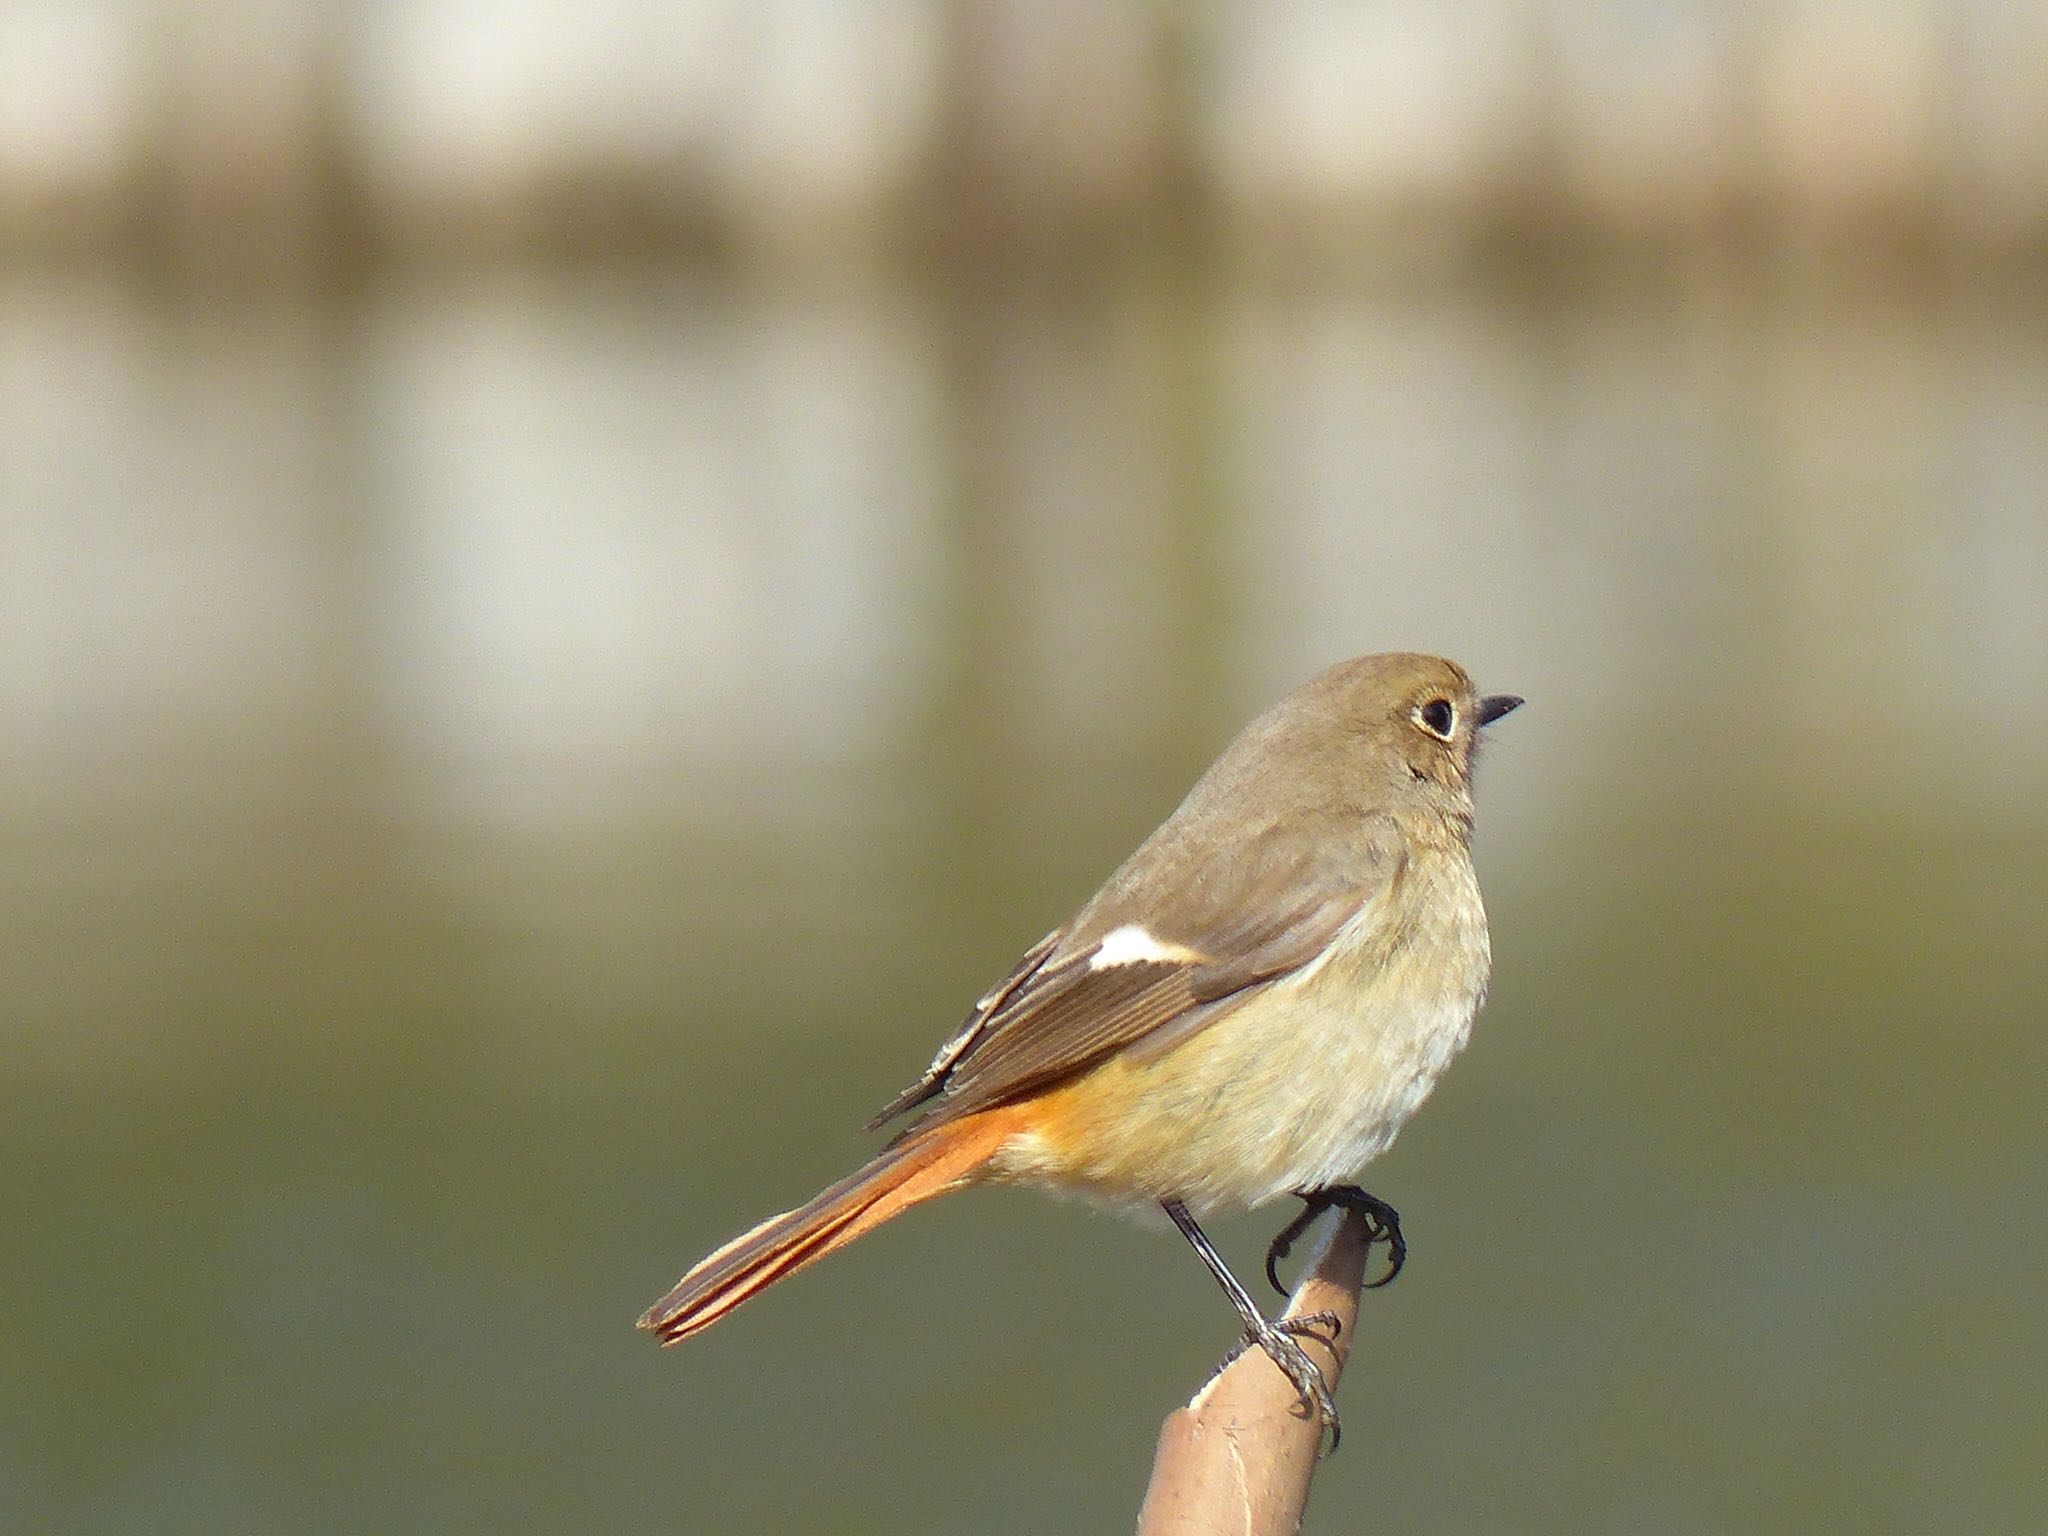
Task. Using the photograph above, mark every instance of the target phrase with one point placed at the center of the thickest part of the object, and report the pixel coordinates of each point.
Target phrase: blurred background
(575, 580)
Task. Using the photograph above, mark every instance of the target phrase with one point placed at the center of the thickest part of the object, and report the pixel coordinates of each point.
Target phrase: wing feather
(1264, 908)
(963, 1038)
(1079, 1016)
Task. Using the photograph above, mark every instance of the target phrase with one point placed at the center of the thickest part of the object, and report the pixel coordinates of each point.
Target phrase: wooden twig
(1239, 1457)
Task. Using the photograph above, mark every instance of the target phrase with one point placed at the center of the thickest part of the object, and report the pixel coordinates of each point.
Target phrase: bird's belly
(1298, 1088)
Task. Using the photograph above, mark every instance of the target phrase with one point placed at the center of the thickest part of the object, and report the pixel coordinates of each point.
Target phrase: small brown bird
(1250, 1007)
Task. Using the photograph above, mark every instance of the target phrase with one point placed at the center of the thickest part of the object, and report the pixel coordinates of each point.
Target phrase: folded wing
(1122, 977)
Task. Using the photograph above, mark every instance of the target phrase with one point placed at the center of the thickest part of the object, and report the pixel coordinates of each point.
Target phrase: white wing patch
(1133, 945)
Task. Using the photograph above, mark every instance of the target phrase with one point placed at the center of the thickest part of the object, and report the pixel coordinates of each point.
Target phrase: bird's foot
(1382, 1225)
(1277, 1339)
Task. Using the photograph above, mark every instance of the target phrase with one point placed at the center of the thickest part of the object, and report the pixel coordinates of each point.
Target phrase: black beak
(1493, 707)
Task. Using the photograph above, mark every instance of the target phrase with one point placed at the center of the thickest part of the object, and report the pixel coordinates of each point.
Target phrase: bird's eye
(1438, 717)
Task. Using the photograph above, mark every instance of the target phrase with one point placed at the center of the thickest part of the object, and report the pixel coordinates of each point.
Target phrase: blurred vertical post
(243, 151)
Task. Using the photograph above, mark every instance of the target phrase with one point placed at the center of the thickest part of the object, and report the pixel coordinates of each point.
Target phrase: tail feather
(907, 1174)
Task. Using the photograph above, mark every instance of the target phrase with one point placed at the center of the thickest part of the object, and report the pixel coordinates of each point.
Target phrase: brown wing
(1248, 916)
(963, 1038)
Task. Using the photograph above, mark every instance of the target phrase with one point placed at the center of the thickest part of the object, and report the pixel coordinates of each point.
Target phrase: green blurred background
(575, 582)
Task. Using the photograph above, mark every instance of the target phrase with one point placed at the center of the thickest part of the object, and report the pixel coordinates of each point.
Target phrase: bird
(1250, 1007)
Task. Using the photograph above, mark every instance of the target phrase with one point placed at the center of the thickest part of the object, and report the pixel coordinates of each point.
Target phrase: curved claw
(1307, 1325)
(1397, 1255)
(1274, 1254)
(1283, 1243)
(1382, 1225)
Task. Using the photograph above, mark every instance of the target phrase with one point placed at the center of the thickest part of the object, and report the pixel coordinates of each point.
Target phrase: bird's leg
(1276, 1339)
(1382, 1224)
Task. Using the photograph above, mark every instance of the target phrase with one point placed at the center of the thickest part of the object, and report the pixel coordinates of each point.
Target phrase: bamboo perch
(1238, 1458)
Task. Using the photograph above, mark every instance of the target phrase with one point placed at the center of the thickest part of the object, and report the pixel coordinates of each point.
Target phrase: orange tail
(907, 1174)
